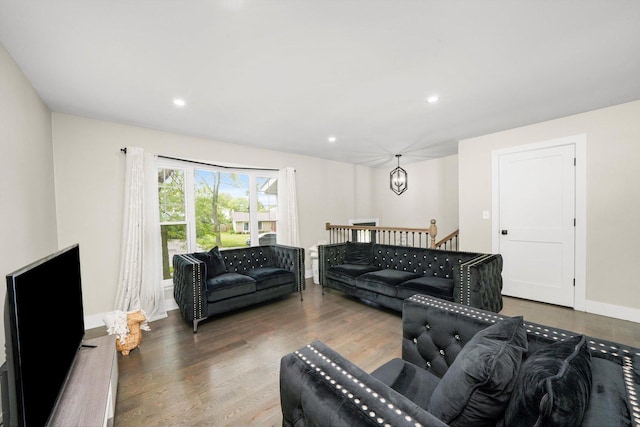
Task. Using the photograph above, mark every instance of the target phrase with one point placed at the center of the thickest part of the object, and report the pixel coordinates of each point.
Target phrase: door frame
(580, 252)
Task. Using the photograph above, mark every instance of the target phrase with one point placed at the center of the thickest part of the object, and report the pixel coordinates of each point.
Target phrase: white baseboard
(95, 321)
(615, 311)
(171, 304)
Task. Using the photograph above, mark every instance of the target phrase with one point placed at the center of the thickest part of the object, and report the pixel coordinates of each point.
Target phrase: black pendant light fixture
(398, 179)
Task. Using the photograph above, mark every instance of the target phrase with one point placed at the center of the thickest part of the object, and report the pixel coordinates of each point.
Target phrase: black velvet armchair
(463, 366)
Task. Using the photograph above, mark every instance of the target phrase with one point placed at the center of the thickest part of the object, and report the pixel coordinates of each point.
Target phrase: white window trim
(189, 174)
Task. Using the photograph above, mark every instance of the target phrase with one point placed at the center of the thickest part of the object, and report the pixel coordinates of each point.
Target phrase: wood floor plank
(228, 373)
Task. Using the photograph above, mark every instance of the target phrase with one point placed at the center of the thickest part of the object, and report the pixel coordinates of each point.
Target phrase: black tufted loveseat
(597, 384)
(387, 274)
(242, 277)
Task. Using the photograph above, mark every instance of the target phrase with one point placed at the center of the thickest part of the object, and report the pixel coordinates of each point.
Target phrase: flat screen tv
(44, 328)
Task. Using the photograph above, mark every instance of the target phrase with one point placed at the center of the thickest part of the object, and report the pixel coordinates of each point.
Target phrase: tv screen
(44, 328)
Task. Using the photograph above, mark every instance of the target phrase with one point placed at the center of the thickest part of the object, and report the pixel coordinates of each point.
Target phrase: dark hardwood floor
(227, 373)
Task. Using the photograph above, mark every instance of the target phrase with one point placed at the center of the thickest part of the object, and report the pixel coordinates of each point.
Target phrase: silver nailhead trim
(196, 280)
(627, 373)
(466, 268)
(624, 355)
(346, 391)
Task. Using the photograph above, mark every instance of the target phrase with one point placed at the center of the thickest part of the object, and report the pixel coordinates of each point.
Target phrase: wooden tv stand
(89, 399)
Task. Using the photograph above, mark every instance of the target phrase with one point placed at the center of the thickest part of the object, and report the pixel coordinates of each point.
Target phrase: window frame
(189, 169)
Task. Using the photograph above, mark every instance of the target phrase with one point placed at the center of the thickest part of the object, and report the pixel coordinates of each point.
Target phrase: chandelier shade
(398, 179)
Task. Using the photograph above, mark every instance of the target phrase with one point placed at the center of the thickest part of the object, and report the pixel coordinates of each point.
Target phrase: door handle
(504, 232)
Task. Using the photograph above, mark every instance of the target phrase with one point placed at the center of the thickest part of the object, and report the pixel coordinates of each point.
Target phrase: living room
(63, 176)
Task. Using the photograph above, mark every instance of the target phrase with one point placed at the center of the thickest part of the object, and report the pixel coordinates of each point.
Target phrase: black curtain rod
(124, 150)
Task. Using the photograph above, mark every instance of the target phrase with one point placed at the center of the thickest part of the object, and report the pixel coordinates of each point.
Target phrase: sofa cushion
(227, 285)
(553, 386)
(411, 381)
(435, 286)
(477, 386)
(358, 253)
(384, 281)
(268, 277)
(347, 273)
(214, 264)
(607, 400)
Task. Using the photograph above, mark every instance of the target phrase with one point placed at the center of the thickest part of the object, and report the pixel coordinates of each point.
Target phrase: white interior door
(537, 223)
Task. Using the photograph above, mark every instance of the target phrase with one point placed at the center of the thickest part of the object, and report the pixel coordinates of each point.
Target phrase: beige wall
(432, 193)
(85, 204)
(612, 198)
(89, 190)
(28, 210)
(89, 181)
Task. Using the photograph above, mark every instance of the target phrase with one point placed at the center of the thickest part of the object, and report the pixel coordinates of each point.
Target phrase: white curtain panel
(152, 291)
(139, 284)
(130, 278)
(288, 228)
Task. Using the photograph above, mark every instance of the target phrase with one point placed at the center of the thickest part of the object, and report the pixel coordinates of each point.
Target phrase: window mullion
(253, 210)
(190, 208)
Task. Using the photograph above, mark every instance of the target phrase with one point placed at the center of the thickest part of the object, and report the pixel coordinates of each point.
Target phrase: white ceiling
(286, 74)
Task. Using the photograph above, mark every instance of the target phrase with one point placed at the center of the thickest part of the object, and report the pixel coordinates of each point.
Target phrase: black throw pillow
(553, 386)
(214, 264)
(477, 386)
(358, 253)
(208, 262)
(218, 266)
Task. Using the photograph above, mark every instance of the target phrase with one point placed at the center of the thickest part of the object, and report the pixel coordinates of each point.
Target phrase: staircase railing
(402, 236)
(450, 242)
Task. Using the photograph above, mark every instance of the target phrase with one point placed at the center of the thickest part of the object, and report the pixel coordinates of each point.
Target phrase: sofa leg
(195, 324)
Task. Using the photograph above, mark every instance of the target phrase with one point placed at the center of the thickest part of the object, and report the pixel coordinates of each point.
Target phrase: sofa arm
(290, 258)
(320, 387)
(189, 287)
(329, 255)
(478, 282)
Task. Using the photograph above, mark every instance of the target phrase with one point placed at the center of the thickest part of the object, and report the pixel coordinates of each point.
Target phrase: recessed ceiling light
(432, 99)
(332, 139)
(179, 102)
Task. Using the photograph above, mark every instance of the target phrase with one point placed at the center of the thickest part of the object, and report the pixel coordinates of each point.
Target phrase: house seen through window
(203, 207)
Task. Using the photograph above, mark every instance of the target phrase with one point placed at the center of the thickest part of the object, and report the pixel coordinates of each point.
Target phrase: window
(173, 218)
(206, 206)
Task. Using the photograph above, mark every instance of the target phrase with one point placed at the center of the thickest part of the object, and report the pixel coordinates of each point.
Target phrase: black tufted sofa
(387, 274)
(245, 276)
(598, 384)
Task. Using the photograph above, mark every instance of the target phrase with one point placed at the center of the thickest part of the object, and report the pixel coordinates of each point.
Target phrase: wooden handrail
(404, 236)
(449, 242)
